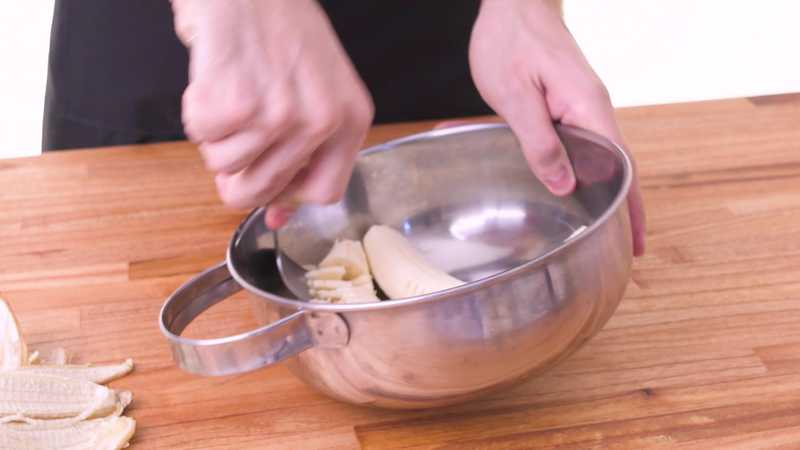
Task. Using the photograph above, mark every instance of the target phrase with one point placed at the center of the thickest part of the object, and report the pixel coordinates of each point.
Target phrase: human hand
(273, 101)
(529, 69)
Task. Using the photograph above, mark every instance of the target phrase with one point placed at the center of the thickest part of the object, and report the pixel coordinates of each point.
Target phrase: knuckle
(219, 160)
(364, 110)
(193, 124)
(596, 89)
(238, 114)
(594, 97)
(233, 197)
(519, 66)
(242, 194)
(213, 162)
(363, 117)
(272, 185)
(511, 92)
(322, 122)
(238, 111)
(279, 178)
(207, 115)
(547, 152)
(323, 196)
(221, 166)
(279, 117)
(240, 105)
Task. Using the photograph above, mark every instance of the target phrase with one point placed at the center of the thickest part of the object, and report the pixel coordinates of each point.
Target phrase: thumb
(529, 118)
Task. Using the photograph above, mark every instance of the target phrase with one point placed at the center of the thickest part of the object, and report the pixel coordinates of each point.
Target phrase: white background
(647, 51)
(24, 42)
(657, 51)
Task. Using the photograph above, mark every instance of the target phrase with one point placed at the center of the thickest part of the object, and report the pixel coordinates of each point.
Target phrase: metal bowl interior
(464, 196)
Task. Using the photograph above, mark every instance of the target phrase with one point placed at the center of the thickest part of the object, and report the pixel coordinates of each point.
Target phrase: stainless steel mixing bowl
(545, 273)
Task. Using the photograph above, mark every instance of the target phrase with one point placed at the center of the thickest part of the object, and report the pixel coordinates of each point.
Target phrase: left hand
(529, 69)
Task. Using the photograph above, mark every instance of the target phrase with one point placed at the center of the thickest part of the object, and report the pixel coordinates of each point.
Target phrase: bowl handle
(243, 352)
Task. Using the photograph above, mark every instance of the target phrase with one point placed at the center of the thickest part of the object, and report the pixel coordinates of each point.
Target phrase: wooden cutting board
(704, 351)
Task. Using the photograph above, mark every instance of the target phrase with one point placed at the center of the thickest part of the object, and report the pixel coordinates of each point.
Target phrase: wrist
(556, 6)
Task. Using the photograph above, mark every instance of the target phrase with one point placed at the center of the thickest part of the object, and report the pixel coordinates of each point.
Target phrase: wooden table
(704, 351)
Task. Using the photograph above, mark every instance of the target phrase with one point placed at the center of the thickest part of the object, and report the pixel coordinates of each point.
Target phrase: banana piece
(40, 396)
(347, 294)
(362, 280)
(327, 273)
(101, 374)
(13, 350)
(349, 255)
(110, 433)
(399, 269)
(327, 284)
(343, 276)
(355, 295)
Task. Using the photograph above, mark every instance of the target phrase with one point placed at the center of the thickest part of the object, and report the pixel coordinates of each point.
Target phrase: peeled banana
(327, 273)
(110, 433)
(13, 351)
(343, 276)
(399, 269)
(100, 374)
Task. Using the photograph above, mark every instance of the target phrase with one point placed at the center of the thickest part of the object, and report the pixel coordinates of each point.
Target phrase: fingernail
(559, 181)
(277, 216)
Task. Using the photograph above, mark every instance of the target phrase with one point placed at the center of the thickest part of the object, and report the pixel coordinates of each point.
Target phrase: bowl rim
(468, 287)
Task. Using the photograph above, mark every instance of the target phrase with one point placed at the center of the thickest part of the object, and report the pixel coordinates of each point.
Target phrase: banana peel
(100, 374)
(110, 433)
(13, 350)
(58, 405)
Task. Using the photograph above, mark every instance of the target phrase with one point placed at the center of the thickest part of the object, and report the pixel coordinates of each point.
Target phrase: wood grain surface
(704, 351)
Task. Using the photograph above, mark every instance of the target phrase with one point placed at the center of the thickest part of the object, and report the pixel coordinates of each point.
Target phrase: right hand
(276, 106)
(528, 68)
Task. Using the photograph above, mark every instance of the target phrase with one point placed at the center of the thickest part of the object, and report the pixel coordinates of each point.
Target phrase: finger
(528, 116)
(597, 114)
(277, 216)
(212, 111)
(219, 99)
(638, 218)
(267, 176)
(283, 206)
(235, 152)
(305, 189)
(594, 112)
(325, 179)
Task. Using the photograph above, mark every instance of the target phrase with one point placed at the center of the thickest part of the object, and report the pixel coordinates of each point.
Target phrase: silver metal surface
(545, 272)
(293, 275)
(269, 344)
(287, 335)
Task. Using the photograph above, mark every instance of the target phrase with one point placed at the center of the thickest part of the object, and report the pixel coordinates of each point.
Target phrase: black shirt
(117, 71)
